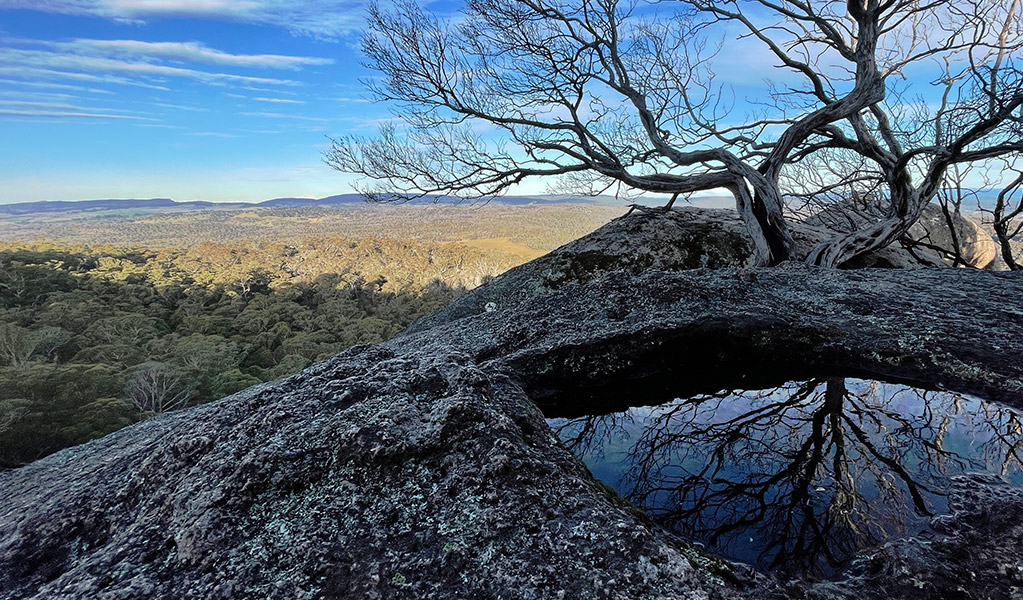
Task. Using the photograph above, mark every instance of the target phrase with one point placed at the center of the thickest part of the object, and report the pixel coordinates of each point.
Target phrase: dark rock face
(373, 475)
(421, 468)
(706, 330)
(647, 240)
(974, 554)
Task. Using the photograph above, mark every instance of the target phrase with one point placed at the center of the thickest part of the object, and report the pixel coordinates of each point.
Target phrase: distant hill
(983, 198)
(160, 204)
(507, 200)
(329, 200)
(59, 206)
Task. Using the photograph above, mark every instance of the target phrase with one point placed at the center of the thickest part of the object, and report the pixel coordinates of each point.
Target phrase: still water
(799, 478)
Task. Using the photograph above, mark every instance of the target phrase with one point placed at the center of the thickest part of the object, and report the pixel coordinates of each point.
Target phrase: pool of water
(799, 478)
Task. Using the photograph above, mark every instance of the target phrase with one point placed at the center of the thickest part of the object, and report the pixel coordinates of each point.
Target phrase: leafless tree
(603, 95)
(10, 411)
(157, 388)
(815, 471)
(18, 345)
(1007, 217)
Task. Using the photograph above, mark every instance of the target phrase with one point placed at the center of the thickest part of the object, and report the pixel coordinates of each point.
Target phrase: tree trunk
(907, 204)
(772, 241)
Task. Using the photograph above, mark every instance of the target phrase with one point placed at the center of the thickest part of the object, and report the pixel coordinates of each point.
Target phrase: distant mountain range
(158, 204)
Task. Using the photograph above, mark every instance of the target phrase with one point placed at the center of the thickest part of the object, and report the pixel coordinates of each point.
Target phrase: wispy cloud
(34, 95)
(78, 63)
(273, 115)
(195, 52)
(181, 107)
(32, 72)
(329, 19)
(53, 86)
(280, 100)
(266, 90)
(213, 134)
(46, 105)
(65, 114)
(51, 110)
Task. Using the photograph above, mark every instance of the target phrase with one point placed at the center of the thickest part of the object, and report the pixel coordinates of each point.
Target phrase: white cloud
(34, 95)
(213, 134)
(274, 91)
(74, 62)
(181, 107)
(322, 19)
(49, 110)
(284, 116)
(280, 100)
(52, 86)
(30, 72)
(65, 114)
(47, 105)
(192, 52)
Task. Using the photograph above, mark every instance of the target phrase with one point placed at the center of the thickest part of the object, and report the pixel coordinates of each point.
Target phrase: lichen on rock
(423, 467)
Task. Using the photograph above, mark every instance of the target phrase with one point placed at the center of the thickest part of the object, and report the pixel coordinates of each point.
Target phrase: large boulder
(976, 246)
(422, 467)
(373, 475)
(970, 554)
(645, 239)
(930, 236)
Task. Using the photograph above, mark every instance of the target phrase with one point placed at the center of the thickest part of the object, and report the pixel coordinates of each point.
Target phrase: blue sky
(188, 99)
(208, 99)
(215, 100)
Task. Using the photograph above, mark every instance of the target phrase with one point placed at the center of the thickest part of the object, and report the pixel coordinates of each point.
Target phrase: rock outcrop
(422, 468)
(648, 240)
(976, 246)
(930, 235)
(374, 475)
(972, 554)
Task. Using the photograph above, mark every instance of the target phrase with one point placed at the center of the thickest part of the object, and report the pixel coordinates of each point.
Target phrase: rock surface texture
(374, 475)
(647, 240)
(422, 468)
(976, 246)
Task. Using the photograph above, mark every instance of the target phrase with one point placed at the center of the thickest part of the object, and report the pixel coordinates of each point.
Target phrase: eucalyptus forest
(94, 337)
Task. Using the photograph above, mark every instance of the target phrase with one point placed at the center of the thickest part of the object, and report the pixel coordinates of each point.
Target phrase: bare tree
(18, 345)
(595, 94)
(1007, 218)
(10, 411)
(157, 388)
(814, 471)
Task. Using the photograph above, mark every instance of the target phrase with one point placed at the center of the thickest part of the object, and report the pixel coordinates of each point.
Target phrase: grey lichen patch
(428, 486)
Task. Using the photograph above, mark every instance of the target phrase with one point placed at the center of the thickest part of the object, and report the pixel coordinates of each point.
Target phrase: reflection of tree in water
(801, 477)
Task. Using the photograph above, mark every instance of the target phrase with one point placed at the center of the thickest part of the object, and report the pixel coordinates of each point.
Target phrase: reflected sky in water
(799, 478)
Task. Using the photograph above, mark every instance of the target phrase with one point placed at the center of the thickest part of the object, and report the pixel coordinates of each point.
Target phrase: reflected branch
(801, 477)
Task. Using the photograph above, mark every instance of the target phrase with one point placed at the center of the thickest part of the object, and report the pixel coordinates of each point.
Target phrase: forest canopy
(93, 338)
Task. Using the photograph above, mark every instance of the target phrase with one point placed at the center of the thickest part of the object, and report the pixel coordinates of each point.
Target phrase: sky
(220, 100)
(217, 100)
